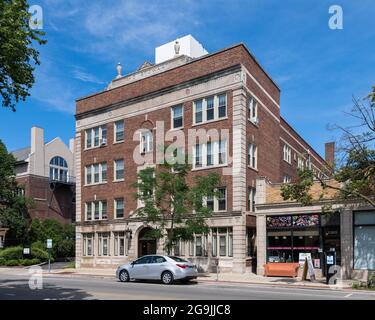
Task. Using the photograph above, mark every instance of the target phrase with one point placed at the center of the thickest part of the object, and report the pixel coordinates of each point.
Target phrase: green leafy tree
(171, 204)
(18, 57)
(353, 175)
(13, 206)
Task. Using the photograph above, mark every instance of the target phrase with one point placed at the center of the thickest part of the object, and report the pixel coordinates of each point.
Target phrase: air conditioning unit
(103, 141)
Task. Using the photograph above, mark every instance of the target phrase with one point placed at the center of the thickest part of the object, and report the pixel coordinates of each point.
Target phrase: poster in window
(279, 222)
(306, 220)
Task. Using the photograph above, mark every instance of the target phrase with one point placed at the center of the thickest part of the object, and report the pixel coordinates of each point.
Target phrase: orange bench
(281, 269)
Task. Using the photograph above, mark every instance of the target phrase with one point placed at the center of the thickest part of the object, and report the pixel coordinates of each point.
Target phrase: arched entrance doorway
(146, 243)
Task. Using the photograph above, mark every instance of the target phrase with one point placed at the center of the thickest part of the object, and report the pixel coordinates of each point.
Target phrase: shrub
(12, 263)
(2, 261)
(40, 254)
(29, 262)
(12, 253)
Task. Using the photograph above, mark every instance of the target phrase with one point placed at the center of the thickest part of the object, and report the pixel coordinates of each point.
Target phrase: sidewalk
(246, 278)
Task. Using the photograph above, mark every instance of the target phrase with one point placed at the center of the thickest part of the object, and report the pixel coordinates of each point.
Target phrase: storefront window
(364, 240)
(291, 237)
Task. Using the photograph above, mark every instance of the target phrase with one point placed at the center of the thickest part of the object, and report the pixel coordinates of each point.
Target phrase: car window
(143, 260)
(178, 259)
(158, 259)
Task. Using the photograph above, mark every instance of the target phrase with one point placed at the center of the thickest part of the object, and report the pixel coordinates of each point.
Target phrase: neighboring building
(287, 230)
(225, 90)
(3, 232)
(45, 173)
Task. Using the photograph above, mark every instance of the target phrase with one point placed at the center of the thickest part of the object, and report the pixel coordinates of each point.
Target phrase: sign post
(217, 268)
(49, 247)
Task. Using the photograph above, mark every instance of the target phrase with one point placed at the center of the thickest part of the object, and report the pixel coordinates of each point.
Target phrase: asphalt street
(15, 285)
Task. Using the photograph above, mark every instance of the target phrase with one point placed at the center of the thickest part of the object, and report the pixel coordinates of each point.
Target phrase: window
(253, 110)
(96, 137)
(251, 199)
(222, 242)
(58, 169)
(96, 210)
(146, 141)
(210, 154)
(222, 199)
(119, 169)
(219, 202)
(191, 248)
(177, 117)
(119, 131)
(119, 208)
(210, 160)
(287, 153)
(198, 156)
(103, 242)
(364, 240)
(88, 244)
(252, 156)
(119, 243)
(300, 163)
(287, 179)
(198, 111)
(96, 173)
(222, 105)
(198, 246)
(210, 114)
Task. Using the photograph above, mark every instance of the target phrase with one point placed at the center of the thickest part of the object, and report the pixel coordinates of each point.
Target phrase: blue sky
(317, 69)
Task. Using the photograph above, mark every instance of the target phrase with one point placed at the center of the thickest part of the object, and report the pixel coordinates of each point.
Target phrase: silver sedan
(156, 267)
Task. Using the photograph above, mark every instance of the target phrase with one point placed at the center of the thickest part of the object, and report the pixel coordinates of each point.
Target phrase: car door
(157, 266)
(140, 267)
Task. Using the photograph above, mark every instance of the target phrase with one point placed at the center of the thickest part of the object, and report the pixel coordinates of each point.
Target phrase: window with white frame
(177, 116)
(96, 173)
(96, 210)
(252, 156)
(103, 243)
(212, 153)
(119, 131)
(251, 194)
(210, 108)
(58, 169)
(287, 178)
(222, 242)
(96, 137)
(88, 244)
(119, 208)
(119, 243)
(287, 153)
(219, 201)
(146, 141)
(253, 109)
(119, 170)
(300, 163)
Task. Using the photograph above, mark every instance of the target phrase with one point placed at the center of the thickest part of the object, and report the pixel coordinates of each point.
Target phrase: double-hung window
(96, 210)
(104, 240)
(222, 199)
(210, 111)
(96, 136)
(119, 131)
(252, 156)
(222, 105)
(119, 169)
(287, 179)
(88, 244)
(253, 110)
(211, 153)
(146, 141)
(119, 208)
(222, 151)
(210, 159)
(177, 117)
(198, 105)
(251, 199)
(287, 153)
(222, 242)
(119, 243)
(198, 156)
(96, 173)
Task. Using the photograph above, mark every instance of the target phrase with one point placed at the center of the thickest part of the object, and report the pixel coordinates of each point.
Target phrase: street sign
(49, 243)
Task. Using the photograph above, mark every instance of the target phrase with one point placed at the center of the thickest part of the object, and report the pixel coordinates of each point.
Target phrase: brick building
(186, 89)
(45, 172)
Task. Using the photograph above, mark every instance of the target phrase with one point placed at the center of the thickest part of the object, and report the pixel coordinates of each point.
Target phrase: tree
(13, 206)
(18, 57)
(170, 203)
(353, 175)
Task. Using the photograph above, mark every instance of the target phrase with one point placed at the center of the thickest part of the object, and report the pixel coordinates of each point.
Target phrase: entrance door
(146, 243)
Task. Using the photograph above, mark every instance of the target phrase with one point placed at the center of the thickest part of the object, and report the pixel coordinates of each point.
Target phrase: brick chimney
(330, 152)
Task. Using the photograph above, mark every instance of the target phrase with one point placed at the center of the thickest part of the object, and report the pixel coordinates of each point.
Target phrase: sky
(318, 69)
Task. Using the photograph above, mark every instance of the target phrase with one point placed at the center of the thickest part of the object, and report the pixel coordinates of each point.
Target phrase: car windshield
(177, 259)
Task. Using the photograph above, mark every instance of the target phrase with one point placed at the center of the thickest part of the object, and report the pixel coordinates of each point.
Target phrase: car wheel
(124, 276)
(167, 277)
